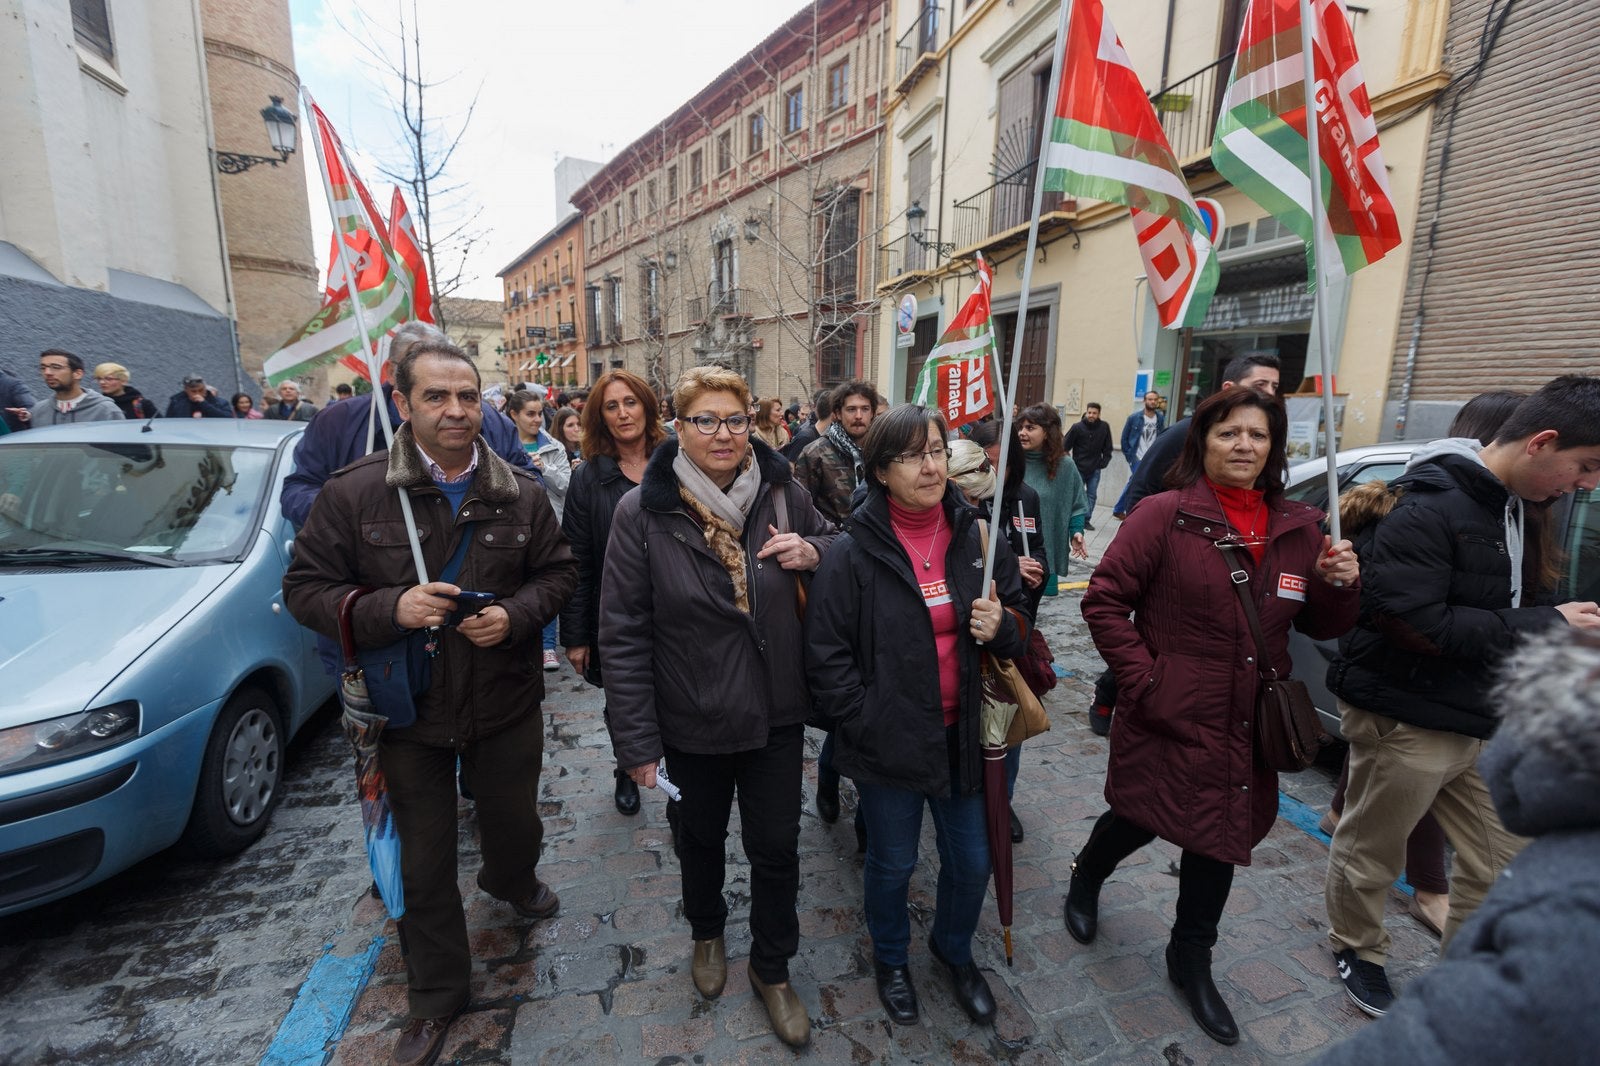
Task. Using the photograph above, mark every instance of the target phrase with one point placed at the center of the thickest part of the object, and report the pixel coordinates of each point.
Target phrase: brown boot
(710, 966)
(421, 1040)
(789, 1018)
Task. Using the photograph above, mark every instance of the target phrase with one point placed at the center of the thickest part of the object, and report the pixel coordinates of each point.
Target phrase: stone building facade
(741, 228)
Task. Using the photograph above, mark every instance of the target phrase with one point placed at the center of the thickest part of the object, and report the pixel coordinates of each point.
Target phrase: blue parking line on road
(322, 1008)
(1305, 819)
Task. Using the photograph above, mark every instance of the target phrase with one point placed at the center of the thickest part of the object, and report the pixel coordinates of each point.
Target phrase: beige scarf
(722, 515)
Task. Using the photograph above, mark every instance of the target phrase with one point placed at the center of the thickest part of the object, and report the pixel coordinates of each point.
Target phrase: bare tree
(447, 223)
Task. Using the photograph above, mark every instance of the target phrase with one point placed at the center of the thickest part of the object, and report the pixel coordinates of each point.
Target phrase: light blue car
(150, 677)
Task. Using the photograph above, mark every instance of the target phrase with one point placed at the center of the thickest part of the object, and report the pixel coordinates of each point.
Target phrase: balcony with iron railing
(907, 255)
(730, 302)
(1001, 208)
(1188, 110)
(917, 50)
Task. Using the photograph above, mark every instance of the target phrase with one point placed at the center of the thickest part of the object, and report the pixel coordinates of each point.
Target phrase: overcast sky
(577, 78)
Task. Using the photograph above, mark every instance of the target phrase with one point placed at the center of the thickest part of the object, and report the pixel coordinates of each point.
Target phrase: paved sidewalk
(608, 979)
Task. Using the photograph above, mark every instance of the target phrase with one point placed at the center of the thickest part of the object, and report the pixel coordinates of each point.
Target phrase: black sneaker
(1365, 983)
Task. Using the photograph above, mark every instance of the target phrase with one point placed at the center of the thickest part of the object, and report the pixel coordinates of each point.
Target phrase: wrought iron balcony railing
(1188, 109)
(1006, 204)
(917, 49)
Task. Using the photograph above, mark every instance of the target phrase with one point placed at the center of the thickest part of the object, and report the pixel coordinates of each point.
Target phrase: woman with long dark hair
(1165, 616)
(1063, 501)
(621, 427)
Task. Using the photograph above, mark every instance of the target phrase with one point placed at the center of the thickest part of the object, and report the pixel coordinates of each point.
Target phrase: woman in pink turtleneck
(893, 628)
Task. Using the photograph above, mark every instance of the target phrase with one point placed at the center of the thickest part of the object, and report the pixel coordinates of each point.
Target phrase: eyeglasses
(738, 425)
(938, 455)
(54, 366)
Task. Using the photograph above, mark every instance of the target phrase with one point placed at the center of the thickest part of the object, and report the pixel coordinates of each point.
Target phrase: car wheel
(241, 776)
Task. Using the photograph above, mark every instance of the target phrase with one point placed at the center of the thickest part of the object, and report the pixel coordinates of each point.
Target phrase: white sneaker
(551, 660)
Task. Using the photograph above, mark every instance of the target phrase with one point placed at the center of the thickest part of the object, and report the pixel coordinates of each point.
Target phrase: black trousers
(767, 781)
(1203, 882)
(503, 770)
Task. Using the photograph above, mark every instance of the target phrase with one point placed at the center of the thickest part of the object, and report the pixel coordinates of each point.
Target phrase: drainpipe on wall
(1166, 47)
(216, 195)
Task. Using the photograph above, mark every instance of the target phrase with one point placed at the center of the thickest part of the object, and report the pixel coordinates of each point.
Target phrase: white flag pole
(1318, 246)
(1027, 283)
(359, 312)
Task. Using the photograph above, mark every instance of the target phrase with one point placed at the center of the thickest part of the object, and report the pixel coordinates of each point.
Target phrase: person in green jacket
(1063, 502)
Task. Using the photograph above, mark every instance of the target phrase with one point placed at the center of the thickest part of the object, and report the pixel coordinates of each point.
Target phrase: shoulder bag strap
(780, 507)
(453, 567)
(1241, 584)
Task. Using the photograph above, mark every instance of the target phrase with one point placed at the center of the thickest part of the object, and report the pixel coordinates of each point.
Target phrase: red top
(1246, 514)
(925, 536)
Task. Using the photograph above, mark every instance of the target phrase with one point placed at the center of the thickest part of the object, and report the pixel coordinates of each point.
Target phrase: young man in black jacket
(1449, 580)
(1089, 441)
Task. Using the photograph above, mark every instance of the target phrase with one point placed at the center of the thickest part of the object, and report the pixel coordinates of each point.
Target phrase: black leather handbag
(1288, 733)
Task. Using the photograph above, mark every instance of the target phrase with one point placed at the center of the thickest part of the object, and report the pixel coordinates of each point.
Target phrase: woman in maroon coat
(1165, 617)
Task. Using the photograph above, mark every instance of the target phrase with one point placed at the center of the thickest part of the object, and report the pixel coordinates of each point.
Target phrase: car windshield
(163, 504)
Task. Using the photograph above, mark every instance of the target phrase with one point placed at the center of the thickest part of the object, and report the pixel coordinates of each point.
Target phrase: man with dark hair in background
(1139, 434)
(1258, 371)
(1089, 441)
(482, 705)
(69, 402)
(830, 466)
(816, 426)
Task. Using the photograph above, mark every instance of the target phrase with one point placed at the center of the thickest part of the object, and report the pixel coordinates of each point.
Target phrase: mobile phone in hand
(467, 605)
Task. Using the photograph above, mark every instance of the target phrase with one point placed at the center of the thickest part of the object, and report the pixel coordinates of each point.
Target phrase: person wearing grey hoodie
(1517, 982)
(1449, 585)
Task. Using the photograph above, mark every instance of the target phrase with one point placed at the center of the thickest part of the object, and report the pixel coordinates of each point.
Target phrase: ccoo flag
(1106, 144)
(1260, 142)
(956, 378)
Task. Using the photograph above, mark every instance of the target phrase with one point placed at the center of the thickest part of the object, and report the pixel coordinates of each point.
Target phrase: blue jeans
(1091, 485)
(894, 822)
(1120, 506)
(550, 635)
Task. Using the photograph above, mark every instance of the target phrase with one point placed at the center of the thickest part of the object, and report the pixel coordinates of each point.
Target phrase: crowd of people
(71, 401)
(731, 574)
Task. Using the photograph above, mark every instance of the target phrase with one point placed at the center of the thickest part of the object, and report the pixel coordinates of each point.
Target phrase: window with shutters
(794, 109)
(91, 24)
(672, 185)
(838, 85)
(836, 355)
(758, 133)
(697, 175)
(724, 152)
(838, 239)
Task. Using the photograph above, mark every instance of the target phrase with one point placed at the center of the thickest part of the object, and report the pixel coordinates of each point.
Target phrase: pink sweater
(925, 536)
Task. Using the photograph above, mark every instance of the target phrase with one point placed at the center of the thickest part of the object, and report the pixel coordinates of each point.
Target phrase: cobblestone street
(184, 962)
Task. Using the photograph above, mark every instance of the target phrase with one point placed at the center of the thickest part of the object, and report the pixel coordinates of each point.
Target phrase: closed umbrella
(999, 707)
(364, 726)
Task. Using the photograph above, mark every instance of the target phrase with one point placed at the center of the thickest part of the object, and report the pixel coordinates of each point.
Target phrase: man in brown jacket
(483, 704)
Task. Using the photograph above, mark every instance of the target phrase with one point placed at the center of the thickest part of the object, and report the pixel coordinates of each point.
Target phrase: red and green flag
(334, 334)
(956, 378)
(1261, 147)
(1107, 144)
(403, 238)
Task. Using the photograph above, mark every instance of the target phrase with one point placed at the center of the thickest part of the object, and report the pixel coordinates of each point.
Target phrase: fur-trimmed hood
(658, 488)
(494, 481)
(1366, 505)
(1543, 766)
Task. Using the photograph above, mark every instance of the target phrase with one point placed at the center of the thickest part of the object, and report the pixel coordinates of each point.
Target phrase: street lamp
(915, 215)
(281, 134)
(670, 260)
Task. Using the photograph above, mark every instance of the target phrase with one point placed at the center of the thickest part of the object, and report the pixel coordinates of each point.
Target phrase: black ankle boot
(896, 992)
(827, 796)
(1083, 906)
(1190, 969)
(627, 794)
